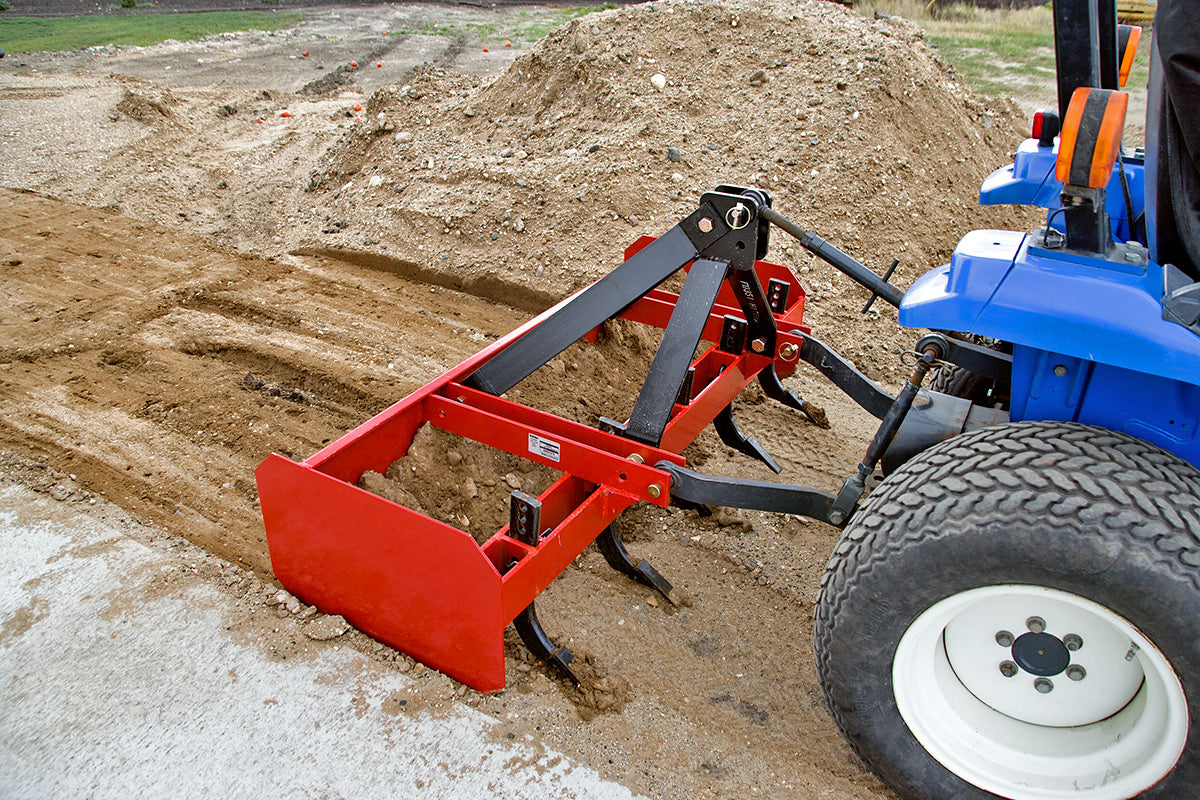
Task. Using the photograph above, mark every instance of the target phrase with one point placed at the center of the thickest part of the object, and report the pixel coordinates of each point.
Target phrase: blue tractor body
(1089, 340)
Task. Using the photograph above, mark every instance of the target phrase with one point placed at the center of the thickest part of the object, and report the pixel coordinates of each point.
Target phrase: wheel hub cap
(1041, 654)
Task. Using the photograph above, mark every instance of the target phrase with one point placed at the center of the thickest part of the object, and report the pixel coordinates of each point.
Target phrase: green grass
(522, 26)
(23, 34)
(997, 52)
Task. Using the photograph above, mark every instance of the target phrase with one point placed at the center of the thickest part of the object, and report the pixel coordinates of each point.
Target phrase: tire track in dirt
(161, 371)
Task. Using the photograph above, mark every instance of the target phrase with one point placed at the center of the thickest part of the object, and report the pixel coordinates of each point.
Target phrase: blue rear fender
(1089, 341)
(1030, 181)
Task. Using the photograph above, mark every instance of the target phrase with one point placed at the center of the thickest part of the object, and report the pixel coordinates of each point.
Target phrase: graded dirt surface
(191, 280)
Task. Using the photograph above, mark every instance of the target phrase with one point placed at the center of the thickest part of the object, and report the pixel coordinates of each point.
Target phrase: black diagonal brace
(726, 227)
(602, 300)
(655, 402)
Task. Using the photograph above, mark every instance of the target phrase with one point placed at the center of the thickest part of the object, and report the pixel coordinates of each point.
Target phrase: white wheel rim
(1112, 722)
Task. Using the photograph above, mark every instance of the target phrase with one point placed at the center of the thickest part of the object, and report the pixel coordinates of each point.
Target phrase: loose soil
(192, 279)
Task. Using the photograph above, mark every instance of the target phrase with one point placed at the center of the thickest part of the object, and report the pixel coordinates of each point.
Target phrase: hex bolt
(654, 490)
(1072, 641)
(636, 458)
(788, 351)
(1004, 639)
(758, 345)
(1044, 685)
(1035, 624)
(1008, 669)
(1076, 672)
(705, 225)
(1061, 370)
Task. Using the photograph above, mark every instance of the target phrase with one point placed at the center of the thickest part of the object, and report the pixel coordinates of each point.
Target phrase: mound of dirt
(148, 108)
(541, 177)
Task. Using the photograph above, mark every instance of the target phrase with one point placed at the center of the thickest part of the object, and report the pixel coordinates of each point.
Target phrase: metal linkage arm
(862, 390)
(831, 255)
(695, 487)
(977, 358)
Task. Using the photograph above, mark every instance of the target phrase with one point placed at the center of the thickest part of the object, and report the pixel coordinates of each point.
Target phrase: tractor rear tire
(956, 381)
(1016, 613)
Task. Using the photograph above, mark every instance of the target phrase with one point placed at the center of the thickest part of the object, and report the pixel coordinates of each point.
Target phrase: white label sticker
(544, 448)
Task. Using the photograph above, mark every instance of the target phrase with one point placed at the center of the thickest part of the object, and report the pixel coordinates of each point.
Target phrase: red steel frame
(429, 589)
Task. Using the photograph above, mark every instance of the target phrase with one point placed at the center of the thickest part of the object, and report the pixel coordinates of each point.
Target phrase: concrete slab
(124, 675)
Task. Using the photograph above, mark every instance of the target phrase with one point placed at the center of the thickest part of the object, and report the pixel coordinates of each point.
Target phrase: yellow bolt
(788, 351)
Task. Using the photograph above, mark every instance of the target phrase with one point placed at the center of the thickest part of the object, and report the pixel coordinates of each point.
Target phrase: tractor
(1014, 610)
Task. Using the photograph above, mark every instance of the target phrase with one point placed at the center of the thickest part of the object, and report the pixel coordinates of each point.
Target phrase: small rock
(376, 180)
(759, 78)
(403, 137)
(59, 492)
(658, 81)
(674, 154)
(676, 177)
(728, 517)
(519, 226)
(506, 152)
(453, 458)
(293, 606)
(513, 481)
(326, 627)
(593, 148)
(468, 112)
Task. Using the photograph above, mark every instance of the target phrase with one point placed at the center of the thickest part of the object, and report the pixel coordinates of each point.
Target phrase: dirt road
(219, 250)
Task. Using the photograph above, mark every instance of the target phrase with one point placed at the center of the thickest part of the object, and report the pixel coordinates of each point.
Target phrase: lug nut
(1035, 624)
(1008, 669)
(1044, 685)
(1076, 672)
(1004, 639)
(1073, 642)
